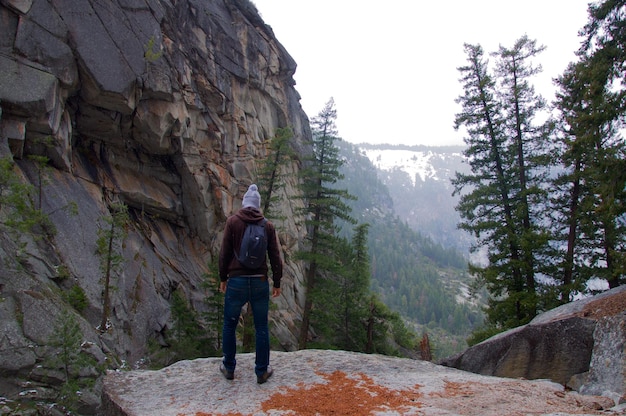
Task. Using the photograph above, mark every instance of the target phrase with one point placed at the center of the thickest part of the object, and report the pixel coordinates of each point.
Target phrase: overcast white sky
(391, 66)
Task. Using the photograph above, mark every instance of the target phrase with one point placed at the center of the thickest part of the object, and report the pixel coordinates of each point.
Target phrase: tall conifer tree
(508, 160)
(589, 194)
(530, 145)
(323, 205)
(487, 210)
(604, 56)
(567, 266)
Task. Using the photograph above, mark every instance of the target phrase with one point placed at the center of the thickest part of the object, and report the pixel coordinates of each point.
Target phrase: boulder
(579, 345)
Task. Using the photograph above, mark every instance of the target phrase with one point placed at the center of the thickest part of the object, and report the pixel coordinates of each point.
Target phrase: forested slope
(419, 278)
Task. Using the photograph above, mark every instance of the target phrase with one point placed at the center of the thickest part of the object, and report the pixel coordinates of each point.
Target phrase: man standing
(242, 285)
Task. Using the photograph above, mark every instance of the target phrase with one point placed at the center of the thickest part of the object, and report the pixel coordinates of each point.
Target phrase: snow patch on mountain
(419, 180)
(412, 162)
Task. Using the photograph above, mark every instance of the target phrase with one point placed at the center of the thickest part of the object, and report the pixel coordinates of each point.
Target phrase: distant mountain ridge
(419, 162)
(419, 182)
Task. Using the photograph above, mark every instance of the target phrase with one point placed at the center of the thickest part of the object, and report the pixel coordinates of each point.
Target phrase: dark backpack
(253, 245)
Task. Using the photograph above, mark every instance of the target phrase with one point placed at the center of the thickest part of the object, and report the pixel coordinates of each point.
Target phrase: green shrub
(77, 298)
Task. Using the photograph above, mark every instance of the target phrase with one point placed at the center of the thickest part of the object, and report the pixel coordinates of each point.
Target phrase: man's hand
(223, 287)
(275, 292)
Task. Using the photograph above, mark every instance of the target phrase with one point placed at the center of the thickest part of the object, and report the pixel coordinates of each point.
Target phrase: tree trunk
(308, 305)
(369, 347)
(106, 301)
(568, 270)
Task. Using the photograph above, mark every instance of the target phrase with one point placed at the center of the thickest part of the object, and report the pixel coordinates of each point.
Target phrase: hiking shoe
(263, 377)
(229, 375)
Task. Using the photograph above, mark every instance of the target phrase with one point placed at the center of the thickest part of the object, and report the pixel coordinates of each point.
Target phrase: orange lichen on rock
(214, 414)
(342, 396)
(453, 389)
(608, 306)
(474, 399)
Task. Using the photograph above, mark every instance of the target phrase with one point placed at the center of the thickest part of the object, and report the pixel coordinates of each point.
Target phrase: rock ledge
(313, 382)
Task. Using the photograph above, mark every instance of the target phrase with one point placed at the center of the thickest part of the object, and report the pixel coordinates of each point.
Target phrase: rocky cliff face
(164, 105)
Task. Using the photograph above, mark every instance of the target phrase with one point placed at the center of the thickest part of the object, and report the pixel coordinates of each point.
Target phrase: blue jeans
(239, 291)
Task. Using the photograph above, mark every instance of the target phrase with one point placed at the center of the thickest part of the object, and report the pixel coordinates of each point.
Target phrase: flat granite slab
(320, 382)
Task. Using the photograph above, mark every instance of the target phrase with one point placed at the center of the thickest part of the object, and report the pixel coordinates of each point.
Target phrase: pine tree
(271, 174)
(355, 292)
(344, 293)
(18, 205)
(270, 180)
(508, 160)
(592, 184)
(214, 300)
(324, 204)
(568, 187)
(111, 235)
(66, 339)
(530, 145)
(328, 296)
(488, 210)
(185, 337)
(14, 195)
(603, 56)
(41, 164)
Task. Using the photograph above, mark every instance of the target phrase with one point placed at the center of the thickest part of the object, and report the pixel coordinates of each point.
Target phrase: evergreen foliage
(77, 298)
(214, 301)
(111, 235)
(270, 179)
(412, 284)
(355, 288)
(601, 72)
(344, 294)
(574, 199)
(66, 341)
(411, 275)
(186, 331)
(339, 304)
(17, 203)
(271, 176)
(324, 204)
(41, 163)
(505, 191)
(152, 52)
(387, 332)
(192, 335)
(348, 315)
(547, 203)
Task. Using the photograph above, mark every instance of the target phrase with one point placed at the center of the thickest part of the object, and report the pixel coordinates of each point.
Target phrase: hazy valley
(419, 258)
